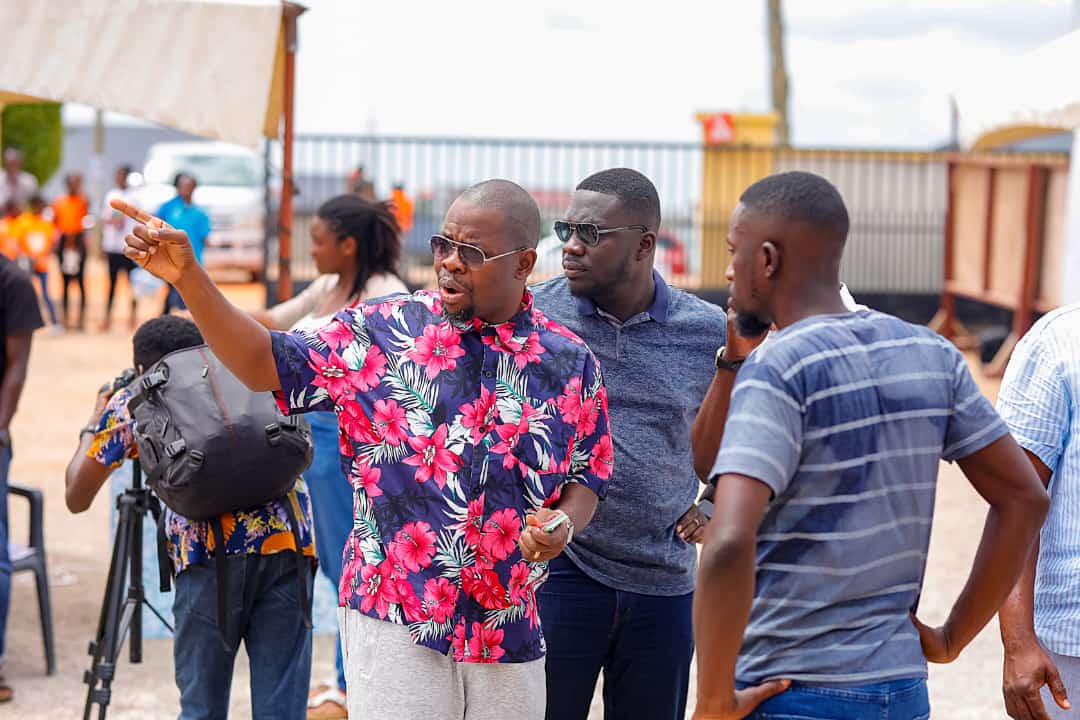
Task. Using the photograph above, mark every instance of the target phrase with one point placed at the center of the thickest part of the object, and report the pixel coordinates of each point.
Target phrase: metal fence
(897, 200)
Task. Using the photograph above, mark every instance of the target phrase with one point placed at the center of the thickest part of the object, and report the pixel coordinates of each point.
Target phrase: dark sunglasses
(443, 247)
(588, 232)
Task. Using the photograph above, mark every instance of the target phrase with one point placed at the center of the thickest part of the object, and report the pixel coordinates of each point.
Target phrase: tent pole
(285, 225)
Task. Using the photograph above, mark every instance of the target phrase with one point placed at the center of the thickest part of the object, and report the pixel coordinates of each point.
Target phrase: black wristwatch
(88, 430)
(724, 364)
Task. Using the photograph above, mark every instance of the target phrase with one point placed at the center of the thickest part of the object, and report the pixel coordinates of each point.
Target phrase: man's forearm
(1017, 614)
(579, 502)
(237, 339)
(1003, 551)
(10, 391)
(708, 429)
(722, 601)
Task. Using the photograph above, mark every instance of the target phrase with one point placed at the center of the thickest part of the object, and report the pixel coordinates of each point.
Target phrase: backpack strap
(142, 387)
(301, 570)
(222, 582)
(164, 561)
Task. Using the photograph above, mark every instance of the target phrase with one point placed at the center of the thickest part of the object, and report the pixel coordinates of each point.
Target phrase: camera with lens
(124, 379)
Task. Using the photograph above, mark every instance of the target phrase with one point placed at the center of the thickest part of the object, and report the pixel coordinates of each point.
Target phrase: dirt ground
(65, 371)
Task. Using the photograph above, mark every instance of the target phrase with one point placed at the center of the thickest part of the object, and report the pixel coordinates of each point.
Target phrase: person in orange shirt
(9, 240)
(36, 235)
(402, 206)
(71, 211)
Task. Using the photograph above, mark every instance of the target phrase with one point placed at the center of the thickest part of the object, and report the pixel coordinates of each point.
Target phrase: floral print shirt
(451, 433)
(257, 531)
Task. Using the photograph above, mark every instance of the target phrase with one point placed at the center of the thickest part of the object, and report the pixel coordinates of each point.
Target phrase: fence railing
(897, 200)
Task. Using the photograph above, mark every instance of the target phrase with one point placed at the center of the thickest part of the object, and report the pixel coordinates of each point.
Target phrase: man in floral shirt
(474, 432)
(264, 611)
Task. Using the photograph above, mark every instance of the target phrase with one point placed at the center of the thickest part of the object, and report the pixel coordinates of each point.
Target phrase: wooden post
(1033, 232)
(291, 11)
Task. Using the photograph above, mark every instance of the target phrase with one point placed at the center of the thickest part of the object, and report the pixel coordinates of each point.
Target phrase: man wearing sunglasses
(619, 599)
(474, 432)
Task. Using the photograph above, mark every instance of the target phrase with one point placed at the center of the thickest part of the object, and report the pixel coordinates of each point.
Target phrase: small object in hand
(550, 527)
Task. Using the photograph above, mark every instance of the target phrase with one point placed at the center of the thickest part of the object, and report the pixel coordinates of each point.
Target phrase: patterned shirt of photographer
(259, 531)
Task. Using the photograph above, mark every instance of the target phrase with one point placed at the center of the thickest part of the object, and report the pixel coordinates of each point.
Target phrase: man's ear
(525, 263)
(771, 255)
(646, 245)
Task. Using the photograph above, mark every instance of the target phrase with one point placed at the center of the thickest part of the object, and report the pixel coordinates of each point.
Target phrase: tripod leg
(136, 593)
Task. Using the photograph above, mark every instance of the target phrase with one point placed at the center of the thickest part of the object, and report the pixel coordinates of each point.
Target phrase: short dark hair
(801, 197)
(375, 229)
(158, 337)
(125, 168)
(634, 191)
(180, 176)
(516, 204)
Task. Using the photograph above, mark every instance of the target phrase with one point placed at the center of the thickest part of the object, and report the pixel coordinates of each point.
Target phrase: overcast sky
(863, 72)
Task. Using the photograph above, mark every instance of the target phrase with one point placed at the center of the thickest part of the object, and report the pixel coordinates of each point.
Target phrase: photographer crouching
(266, 604)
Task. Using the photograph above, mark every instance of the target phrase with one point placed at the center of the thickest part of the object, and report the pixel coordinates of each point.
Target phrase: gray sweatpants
(1069, 668)
(390, 676)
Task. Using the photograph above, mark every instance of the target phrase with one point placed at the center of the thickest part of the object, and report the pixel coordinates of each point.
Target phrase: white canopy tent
(213, 68)
(1037, 94)
(222, 69)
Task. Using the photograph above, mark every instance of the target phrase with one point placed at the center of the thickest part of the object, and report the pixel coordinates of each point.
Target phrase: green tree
(37, 130)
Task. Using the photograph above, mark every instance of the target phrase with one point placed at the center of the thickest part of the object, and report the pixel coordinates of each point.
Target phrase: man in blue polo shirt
(620, 597)
(183, 214)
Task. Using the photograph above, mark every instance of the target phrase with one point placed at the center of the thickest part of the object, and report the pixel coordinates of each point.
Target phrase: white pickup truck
(229, 188)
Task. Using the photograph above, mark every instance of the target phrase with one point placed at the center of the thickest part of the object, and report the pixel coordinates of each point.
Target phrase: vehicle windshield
(220, 170)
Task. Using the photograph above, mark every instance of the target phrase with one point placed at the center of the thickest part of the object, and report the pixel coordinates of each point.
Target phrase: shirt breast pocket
(541, 458)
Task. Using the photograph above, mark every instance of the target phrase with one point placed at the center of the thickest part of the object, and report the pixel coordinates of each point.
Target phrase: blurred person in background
(16, 185)
(115, 225)
(9, 239)
(70, 211)
(355, 246)
(402, 206)
(36, 234)
(359, 185)
(183, 214)
(19, 318)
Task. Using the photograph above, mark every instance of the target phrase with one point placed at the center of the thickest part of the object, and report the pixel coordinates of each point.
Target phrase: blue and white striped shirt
(1040, 402)
(846, 418)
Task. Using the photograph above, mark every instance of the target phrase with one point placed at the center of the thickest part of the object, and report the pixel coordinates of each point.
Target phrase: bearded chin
(462, 317)
(750, 325)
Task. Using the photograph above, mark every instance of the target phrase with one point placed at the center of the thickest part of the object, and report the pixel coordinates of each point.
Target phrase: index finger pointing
(135, 213)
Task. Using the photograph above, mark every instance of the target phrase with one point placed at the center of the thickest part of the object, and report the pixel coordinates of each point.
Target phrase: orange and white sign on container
(719, 128)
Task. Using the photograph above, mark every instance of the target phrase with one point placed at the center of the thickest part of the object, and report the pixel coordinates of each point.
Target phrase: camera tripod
(121, 611)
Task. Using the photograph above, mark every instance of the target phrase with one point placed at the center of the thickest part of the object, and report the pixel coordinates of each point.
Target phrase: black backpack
(208, 446)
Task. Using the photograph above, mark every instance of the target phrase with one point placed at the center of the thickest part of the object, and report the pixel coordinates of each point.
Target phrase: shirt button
(489, 373)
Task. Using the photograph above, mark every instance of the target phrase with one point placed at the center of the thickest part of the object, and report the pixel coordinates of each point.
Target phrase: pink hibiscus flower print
(432, 458)
(440, 599)
(501, 533)
(511, 434)
(519, 583)
(530, 352)
(366, 478)
(437, 349)
(411, 605)
(481, 582)
(457, 641)
(603, 457)
(333, 374)
(355, 424)
(413, 546)
(484, 645)
(586, 423)
(479, 415)
(390, 424)
(569, 403)
(336, 334)
(474, 522)
(504, 340)
(371, 372)
(378, 589)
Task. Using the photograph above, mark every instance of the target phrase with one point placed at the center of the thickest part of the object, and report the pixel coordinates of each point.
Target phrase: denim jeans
(43, 280)
(643, 643)
(263, 611)
(896, 700)
(331, 504)
(5, 561)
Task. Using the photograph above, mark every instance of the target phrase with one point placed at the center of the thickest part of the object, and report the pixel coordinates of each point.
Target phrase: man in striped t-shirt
(1040, 622)
(825, 485)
